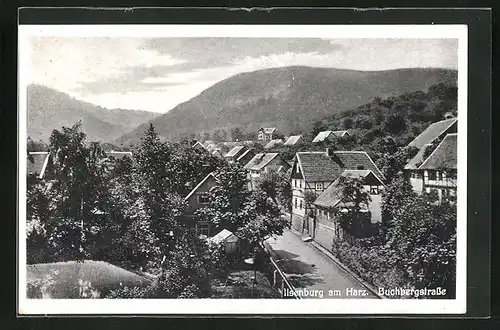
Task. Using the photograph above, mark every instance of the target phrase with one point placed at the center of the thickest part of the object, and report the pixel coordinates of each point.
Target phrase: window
(300, 206)
(202, 229)
(325, 213)
(319, 185)
(374, 190)
(300, 183)
(318, 212)
(203, 198)
(297, 169)
(432, 175)
(438, 176)
(295, 202)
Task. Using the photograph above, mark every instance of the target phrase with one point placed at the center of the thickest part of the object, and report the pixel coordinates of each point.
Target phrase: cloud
(157, 74)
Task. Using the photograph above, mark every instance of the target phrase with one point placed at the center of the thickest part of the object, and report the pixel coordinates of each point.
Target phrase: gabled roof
(39, 164)
(273, 143)
(208, 142)
(444, 156)
(416, 160)
(243, 154)
(351, 159)
(432, 132)
(235, 151)
(322, 136)
(318, 166)
(340, 133)
(198, 144)
(211, 174)
(260, 160)
(332, 195)
(292, 140)
(268, 130)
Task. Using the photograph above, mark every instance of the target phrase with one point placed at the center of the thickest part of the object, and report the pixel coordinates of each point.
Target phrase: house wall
(193, 201)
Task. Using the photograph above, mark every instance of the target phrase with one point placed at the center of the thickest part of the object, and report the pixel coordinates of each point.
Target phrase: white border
(248, 306)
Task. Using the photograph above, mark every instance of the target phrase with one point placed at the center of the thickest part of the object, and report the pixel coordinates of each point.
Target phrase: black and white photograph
(257, 169)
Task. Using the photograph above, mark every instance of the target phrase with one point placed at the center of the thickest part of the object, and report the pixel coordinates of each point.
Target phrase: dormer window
(319, 185)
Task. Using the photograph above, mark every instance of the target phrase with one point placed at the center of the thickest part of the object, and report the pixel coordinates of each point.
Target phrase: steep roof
(198, 144)
(244, 154)
(351, 159)
(207, 143)
(444, 156)
(37, 163)
(260, 160)
(340, 133)
(235, 151)
(332, 195)
(273, 143)
(211, 174)
(318, 166)
(416, 160)
(432, 132)
(292, 140)
(322, 136)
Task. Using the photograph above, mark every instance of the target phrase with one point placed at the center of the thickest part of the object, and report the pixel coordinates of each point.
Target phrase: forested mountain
(290, 98)
(49, 109)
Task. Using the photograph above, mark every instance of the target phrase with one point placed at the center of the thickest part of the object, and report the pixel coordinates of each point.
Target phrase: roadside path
(311, 272)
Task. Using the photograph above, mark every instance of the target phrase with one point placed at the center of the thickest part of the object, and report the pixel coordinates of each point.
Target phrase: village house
(424, 142)
(273, 144)
(438, 172)
(329, 136)
(326, 225)
(264, 163)
(235, 153)
(266, 134)
(38, 163)
(294, 140)
(313, 172)
(198, 198)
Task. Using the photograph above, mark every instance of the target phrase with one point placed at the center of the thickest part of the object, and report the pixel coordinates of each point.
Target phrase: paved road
(311, 272)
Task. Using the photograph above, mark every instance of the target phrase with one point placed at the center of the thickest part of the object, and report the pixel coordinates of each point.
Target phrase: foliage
(252, 216)
(354, 200)
(278, 187)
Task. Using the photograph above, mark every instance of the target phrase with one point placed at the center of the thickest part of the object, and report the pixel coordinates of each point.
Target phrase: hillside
(49, 109)
(290, 98)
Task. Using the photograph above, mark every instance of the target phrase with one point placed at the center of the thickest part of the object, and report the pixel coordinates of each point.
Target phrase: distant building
(423, 142)
(266, 134)
(234, 153)
(294, 140)
(273, 144)
(264, 163)
(326, 226)
(199, 146)
(438, 172)
(198, 198)
(329, 136)
(314, 171)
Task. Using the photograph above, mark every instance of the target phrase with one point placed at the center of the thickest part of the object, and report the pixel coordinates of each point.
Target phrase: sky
(156, 74)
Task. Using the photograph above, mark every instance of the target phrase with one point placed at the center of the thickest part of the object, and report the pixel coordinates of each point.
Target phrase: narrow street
(312, 273)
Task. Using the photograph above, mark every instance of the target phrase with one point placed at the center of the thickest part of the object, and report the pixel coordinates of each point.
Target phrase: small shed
(227, 238)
